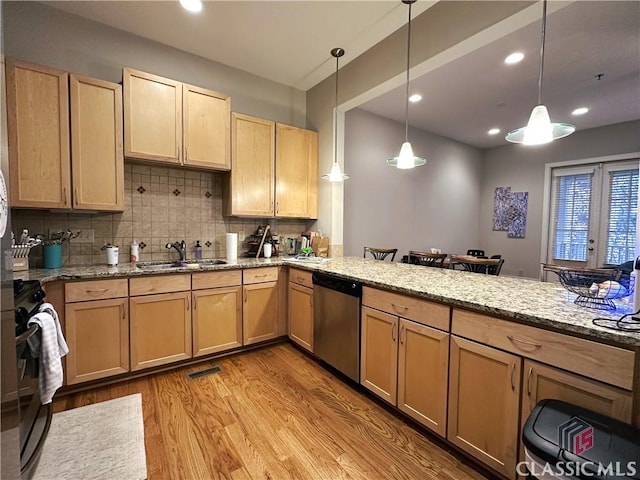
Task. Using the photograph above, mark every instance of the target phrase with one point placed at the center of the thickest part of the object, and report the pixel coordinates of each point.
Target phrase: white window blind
(623, 210)
(571, 211)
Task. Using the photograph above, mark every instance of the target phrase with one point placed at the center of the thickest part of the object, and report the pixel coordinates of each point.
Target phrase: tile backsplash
(161, 205)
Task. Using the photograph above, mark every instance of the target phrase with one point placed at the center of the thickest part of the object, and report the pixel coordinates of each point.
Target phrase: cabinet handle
(122, 310)
(178, 153)
(64, 195)
(402, 331)
(188, 303)
(393, 331)
(97, 290)
(195, 303)
(186, 155)
(261, 276)
(75, 196)
(300, 279)
(245, 294)
(523, 342)
(529, 381)
(277, 207)
(513, 376)
(399, 307)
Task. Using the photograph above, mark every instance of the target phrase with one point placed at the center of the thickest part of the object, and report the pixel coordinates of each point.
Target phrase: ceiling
(289, 42)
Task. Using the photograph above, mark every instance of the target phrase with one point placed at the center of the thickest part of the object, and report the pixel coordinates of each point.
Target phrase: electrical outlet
(241, 236)
(85, 236)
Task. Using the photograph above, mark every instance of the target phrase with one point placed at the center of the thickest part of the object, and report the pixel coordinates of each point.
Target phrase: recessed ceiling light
(191, 5)
(494, 131)
(416, 97)
(580, 111)
(514, 58)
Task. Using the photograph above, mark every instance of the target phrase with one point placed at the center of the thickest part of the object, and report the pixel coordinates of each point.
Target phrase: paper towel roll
(232, 246)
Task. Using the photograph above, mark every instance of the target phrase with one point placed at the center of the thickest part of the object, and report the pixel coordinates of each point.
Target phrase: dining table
(473, 264)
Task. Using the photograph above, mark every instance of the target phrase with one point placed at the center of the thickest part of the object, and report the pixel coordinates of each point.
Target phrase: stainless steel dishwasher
(336, 323)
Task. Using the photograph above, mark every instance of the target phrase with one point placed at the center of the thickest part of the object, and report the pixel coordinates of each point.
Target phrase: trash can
(563, 441)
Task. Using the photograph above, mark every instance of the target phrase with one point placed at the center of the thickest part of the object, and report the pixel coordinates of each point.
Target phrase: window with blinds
(623, 210)
(572, 206)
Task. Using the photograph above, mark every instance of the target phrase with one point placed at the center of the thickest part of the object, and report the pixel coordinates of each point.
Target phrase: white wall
(40, 34)
(431, 206)
(522, 169)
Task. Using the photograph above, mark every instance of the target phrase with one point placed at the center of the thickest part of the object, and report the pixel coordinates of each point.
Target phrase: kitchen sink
(186, 264)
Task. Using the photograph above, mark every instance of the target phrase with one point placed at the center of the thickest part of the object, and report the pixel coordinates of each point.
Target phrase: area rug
(103, 441)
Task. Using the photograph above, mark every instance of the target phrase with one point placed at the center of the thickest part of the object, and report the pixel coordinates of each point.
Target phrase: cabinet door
(96, 144)
(484, 394)
(217, 320)
(98, 336)
(206, 128)
(379, 353)
(152, 117)
(160, 329)
(301, 315)
(38, 135)
(543, 382)
(423, 365)
(260, 312)
(253, 166)
(296, 172)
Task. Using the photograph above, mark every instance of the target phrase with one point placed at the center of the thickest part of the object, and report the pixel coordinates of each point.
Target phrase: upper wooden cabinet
(251, 187)
(41, 132)
(38, 135)
(173, 123)
(97, 162)
(296, 172)
(275, 169)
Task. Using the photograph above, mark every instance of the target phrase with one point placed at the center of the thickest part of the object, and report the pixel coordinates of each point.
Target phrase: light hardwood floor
(274, 414)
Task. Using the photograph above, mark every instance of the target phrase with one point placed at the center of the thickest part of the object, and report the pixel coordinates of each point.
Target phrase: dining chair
(427, 259)
(495, 269)
(380, 253)
(475, 253)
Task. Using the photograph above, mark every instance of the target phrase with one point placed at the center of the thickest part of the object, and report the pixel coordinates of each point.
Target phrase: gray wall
(522, 169)
(431, 206)
(41, 34)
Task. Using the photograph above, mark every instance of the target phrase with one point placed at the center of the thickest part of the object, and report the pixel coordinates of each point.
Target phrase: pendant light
(540, 130)
(406, 158)
(335, 175)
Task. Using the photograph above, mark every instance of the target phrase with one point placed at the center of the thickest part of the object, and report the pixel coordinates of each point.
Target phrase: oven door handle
(23, 337)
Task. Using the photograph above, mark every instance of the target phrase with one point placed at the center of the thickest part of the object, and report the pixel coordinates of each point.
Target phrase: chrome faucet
(181, 248)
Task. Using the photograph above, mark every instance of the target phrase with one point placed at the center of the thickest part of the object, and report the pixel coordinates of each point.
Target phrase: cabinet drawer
(301, 277)
(228, 278)
(159, 284)
(421, 311)
(95, 290)
(602, 362)
(259, 275)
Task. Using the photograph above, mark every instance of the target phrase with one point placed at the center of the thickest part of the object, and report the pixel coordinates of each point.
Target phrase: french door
(593, 214)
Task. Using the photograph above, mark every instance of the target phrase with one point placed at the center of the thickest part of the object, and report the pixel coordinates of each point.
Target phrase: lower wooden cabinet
(301, 315)
(97, 333)
(406, 364)
(260, 312)
(217, 320)
(484, 399)
(423, 366)
(160, 329)
(379, 353)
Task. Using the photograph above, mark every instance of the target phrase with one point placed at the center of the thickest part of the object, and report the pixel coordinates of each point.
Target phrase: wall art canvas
(517, 214)
(501, 203)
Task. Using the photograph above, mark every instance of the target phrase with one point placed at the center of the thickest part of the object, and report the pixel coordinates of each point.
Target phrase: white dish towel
(50, 346)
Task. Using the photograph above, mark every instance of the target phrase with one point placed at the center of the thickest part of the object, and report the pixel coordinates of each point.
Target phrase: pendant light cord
(544, 27)
(406, 106)
(335, 120)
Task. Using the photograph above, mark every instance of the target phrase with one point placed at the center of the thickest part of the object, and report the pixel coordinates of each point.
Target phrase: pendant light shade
(406, 159)
(540, 130)
(335, 175)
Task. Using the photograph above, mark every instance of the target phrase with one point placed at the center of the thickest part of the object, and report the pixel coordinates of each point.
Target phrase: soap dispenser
(197, 250)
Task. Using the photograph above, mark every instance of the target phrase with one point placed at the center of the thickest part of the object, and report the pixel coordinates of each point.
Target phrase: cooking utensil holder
(52, 256)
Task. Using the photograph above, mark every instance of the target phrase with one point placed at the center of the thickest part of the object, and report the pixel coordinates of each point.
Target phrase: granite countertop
(524, 300)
